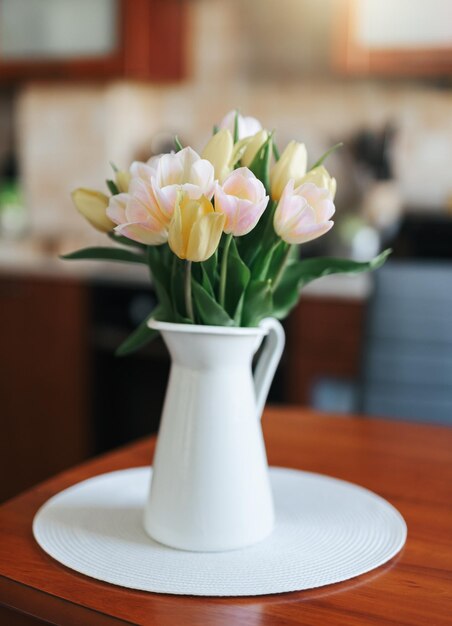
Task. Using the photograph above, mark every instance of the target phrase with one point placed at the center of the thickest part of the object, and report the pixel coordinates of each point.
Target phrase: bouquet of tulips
(221, 231)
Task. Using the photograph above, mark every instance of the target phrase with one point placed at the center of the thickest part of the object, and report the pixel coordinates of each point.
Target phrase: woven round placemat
(326, 531)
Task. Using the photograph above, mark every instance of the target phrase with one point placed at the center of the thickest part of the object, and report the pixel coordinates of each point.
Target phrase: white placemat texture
(327, 531)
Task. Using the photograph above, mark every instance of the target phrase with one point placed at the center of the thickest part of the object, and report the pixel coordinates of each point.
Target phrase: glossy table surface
(410, 465)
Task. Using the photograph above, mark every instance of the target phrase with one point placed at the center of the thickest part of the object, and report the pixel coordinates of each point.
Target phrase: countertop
(30, 259)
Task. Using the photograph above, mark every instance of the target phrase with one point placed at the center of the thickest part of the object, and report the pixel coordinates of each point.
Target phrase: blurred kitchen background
(87, 82)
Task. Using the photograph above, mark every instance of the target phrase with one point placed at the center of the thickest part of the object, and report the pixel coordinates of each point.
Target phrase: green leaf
(112, 187)
(210, 267)
(236, 126)
(287, 293)
(260, 267)
(178, 144)
(260, 165)
(215, 129)
(177, 289)
(205, 281)
(275, 152)
(323, 266)
(260, 240)
(300, 273)
(258, 302)
(255, 246)
(208, 309)
(161, 278)
(238, 277)
(239, 310)
(279, 255)
(106, 254)
(140, 336)
(326, 155)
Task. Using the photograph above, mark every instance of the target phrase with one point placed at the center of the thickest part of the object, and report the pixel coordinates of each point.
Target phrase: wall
(68, 134)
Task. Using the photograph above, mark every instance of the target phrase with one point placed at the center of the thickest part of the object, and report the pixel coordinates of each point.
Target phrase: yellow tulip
(291, 166)
(93, 206)
(254, 145)
(321, 178)
(195, 229)
(219, 152)
(122, 180)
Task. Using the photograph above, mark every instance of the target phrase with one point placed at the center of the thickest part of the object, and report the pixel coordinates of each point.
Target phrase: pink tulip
(247, 126)
(185, 172)
(138, 215)
(242, 199)
(303, 213)
(144, 213)
(145, 171)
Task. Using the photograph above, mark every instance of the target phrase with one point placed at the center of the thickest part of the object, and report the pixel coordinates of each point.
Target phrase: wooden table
(410, 465)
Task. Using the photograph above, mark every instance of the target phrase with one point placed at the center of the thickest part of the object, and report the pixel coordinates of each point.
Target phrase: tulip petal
(175, 239)
(145, 204)
(321, 178)
(141, 233)
(292, 164)
(310, 233)
(218, 152)
(170, 170)
(242, 199)
(116, 210)
(202, 175)
(247, 126)
(248, 217)
(205, 236)
(166, 197)
(122, 180)
(142, 171)
(325, 210)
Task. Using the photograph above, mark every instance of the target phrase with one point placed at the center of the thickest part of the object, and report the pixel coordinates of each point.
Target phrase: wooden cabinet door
(43, 380)
(324, 337)
(143, 39)
(395, 38)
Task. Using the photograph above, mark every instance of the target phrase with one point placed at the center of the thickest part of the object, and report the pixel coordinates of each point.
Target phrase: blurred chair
(407, 357)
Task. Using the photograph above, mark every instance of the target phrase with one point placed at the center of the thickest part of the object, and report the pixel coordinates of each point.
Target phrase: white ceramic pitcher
(210, 489)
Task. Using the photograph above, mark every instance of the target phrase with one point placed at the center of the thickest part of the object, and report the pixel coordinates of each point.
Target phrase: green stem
(173, 283)
(236, 126)
(188, 296)
(224, 269)
(282, 267)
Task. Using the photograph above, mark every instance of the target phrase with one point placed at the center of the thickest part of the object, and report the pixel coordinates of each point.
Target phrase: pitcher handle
(268, 361)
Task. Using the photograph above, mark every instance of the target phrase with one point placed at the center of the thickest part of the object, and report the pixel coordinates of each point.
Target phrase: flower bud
(321, 178)
(254, 144)
(122, 180)
(93, 206)
(291, 165)
(303, 213)
(219, 152)
(242, 199)
(247, 126)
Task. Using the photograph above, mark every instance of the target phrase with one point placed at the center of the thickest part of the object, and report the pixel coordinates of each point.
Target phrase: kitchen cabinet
(44, 379)
(324, 339)
(387, 38)
(92, 39)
